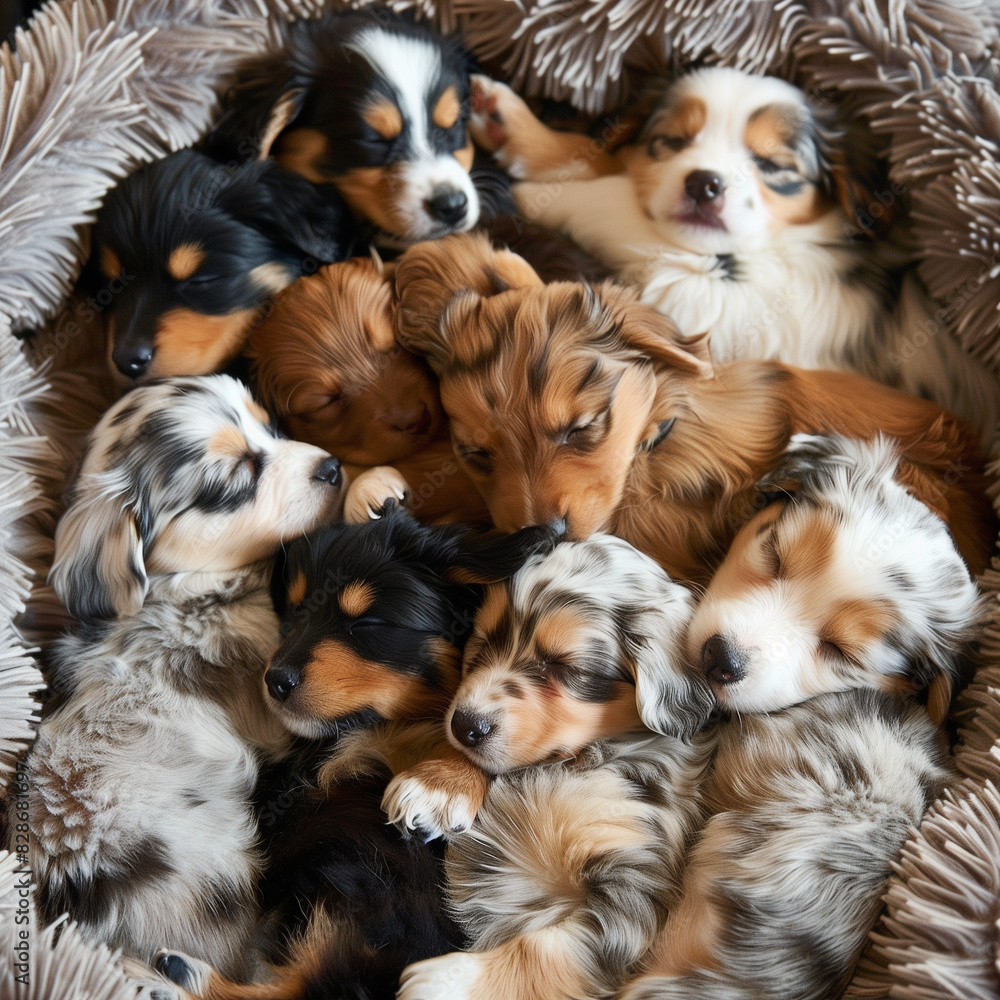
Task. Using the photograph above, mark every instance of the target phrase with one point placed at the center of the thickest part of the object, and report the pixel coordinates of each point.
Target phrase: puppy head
(581, 644)
(330, 368)
(378, 107)
(550, 391)
(847, 582)
(374, 618)
(183, 475)
(729, 159)
(185, 252)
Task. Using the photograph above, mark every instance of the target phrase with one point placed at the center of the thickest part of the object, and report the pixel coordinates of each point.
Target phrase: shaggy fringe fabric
(94, 88)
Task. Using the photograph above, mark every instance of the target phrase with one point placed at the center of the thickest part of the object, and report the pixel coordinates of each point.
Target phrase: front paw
(416, 804)
(372, 492)
(503, 124)
(448, 977)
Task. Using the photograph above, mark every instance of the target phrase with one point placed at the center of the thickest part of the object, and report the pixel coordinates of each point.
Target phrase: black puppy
(376, 616)
(193, 249)
(373, 104)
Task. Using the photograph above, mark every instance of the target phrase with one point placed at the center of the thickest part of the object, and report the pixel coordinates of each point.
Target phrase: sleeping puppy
(372, 104)
(578, 402)
(141, 778)
(191, 251)
(329, 366)
(374, 618)
(835, 601)
(735, 211)
(568, 870)
(844, 581)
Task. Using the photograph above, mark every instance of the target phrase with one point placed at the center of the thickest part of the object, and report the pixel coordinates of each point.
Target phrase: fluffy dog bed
(94, 88)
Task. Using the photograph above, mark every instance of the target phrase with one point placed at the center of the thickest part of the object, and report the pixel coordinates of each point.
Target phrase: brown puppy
(568, 401)
(330, 367)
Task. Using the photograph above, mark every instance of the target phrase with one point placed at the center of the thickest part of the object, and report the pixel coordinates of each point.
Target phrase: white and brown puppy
(569, 868)
(845, 581)
(141, 776)
(727, 214)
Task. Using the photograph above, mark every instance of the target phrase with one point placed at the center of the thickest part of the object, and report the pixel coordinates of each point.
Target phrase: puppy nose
(282, 681)
(470, 730)
(723, 663)
(328, 471)
(134, 361)
(415, 422)
(703, 186)
(448, 205)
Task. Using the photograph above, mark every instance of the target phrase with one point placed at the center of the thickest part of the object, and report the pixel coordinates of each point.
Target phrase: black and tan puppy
(192, 249)
(375, 616)
(372, 104)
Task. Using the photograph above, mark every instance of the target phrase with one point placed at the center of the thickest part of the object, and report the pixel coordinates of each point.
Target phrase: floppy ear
(302, 220)
(672, 699)
(649, 332)
(98, 572)
(807, 463)
(266, 99)
(482, 558)
(853, 171)
(431, 274)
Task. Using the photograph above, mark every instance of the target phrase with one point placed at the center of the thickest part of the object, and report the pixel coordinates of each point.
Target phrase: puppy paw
(501, 123)
(449, 977)
(416, 804)
(191, 974)
(372, 491)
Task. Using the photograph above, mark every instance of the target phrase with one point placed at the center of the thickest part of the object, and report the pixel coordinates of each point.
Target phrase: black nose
(448, 206)
(723, 663)
(328, 471)
(133, 361)
(703, 186)
(470, 730)
(282, 681)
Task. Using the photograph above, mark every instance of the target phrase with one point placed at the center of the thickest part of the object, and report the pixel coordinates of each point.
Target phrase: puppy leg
(439, 797)
(369, 493)
(528, 150)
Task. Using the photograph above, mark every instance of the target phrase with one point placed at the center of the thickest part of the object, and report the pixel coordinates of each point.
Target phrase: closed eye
(477, 458)
(662, 145)
(252, 462)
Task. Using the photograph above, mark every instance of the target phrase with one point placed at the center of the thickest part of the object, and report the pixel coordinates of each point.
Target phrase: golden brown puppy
(577, 402)
(330, 367)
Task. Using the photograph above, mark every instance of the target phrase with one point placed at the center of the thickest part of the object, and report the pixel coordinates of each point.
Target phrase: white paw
(449, 977)
(430, 812)
(370, 492)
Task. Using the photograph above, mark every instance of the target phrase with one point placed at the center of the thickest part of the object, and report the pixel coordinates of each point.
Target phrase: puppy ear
(656, 336)
(431, 274)
(309, 225)
(807, 463)
(672, 699)
(266, 99)
(853, 171)
(482, 559)
(98, 572)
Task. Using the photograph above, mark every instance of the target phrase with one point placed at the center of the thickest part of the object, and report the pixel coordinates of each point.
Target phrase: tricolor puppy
(846, 580)
(141, 777)
(575, 401)
(564, 877)
(190, 250)
(370, 103)
(734, 212)
(374, 619)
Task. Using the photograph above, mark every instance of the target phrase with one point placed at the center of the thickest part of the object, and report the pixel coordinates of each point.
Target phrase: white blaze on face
(413, 69)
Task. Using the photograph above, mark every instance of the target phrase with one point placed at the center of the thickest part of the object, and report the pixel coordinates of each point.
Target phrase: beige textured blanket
(93, 88)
